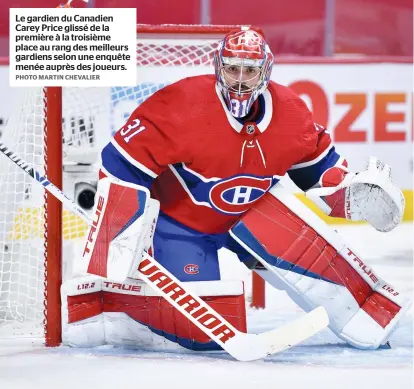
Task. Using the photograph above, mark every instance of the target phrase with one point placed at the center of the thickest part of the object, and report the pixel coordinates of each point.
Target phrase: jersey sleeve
(306, 173)
(151, 139)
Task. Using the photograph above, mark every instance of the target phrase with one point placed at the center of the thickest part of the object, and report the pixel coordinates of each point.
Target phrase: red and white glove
(369, 195)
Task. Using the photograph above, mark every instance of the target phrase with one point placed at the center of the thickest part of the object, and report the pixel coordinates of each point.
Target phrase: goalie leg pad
(97, 311)
(320, 270)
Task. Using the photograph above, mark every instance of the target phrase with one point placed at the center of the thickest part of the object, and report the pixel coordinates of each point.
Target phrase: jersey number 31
(125, 132)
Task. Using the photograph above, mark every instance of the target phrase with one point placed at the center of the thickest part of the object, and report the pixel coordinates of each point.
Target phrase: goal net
(61, 131)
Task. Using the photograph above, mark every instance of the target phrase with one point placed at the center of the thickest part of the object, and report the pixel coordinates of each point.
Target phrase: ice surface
(321, 362)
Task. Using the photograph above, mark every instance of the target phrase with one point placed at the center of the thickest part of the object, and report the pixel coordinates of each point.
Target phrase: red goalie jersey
(207, 167)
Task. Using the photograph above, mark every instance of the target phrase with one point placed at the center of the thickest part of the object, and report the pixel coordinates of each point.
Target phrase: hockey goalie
(197, 168)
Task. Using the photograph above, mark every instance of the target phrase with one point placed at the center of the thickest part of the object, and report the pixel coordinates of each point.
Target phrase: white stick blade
(258, 346)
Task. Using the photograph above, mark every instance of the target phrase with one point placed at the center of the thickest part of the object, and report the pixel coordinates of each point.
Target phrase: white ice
(321, 362)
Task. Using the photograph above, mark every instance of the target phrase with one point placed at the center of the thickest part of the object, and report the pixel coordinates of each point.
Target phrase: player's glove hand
(369, 195)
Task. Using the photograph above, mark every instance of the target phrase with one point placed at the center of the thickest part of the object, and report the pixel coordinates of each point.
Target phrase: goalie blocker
(300, 254)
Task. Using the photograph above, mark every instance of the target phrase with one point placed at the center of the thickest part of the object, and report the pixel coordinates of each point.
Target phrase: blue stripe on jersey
(117, 165)
(231, 195)
(306, 177)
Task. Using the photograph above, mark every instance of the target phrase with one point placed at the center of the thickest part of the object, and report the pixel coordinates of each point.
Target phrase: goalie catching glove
(369, 195)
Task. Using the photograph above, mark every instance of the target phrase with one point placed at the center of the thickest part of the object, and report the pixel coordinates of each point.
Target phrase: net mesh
(90, 116)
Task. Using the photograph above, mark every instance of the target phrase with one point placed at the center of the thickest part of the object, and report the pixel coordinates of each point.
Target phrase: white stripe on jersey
(133, 161)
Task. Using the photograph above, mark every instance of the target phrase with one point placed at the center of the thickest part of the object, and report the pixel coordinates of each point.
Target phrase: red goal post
(61, 131)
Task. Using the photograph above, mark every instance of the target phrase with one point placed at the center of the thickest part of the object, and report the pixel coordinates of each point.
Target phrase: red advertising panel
(291, 27)
(374, 27)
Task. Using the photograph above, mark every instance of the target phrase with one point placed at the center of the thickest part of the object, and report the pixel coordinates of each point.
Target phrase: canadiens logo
(231, 196)
(191, 268)
(235, 195)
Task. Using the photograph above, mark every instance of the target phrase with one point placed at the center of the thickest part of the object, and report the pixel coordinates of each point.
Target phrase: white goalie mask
(243, 64)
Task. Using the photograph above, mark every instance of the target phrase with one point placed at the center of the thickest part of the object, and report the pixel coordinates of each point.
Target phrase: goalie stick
(54, 190)
(242, 346)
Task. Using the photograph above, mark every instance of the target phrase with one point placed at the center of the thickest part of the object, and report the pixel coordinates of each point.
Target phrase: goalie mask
(243, 63)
